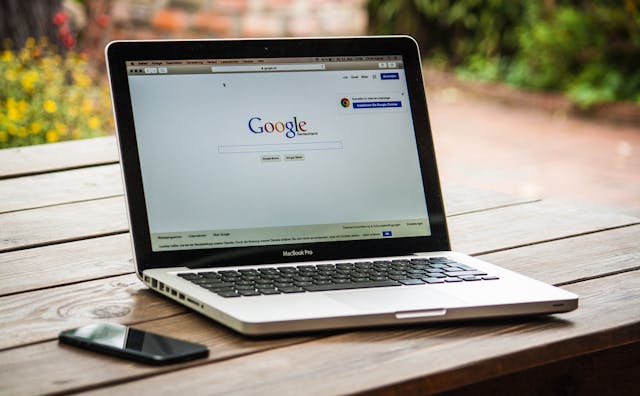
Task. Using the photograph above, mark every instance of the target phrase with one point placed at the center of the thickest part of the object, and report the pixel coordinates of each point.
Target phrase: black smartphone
(134, 344)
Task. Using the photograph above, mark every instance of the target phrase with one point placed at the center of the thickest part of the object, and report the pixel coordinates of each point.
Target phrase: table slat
(53, 157)
(60, 188)
(39, 315)
(55, 265)
(57, 224)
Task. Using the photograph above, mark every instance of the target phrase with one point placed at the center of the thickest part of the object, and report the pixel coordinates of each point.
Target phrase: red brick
(213, 22)
(170, 19)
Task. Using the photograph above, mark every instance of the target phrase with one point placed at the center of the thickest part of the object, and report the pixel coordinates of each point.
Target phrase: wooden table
(65, 261)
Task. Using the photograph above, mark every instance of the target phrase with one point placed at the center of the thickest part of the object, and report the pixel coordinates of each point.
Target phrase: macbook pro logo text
(289, 128)
(293, 253)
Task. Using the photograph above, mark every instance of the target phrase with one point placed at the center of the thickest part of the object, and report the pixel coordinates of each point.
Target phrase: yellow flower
(51, 136)
(3, 136)
(7, 56)
(50, 106)
(22, 132)
(82, 80)
(94, 122)
(87, 106)
(13, 114)
(30, 42)
(76, 133)
(61, 128)
(35, 127)
(28, 80)
(23, 106)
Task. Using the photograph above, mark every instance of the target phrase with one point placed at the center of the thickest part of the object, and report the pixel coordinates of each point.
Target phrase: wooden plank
(459, 199)
(34, 361)
(573, 259)
(65, 263)
(522, 225)
(614, 371)
(52, 157)
(40, 315)
(60, 187)
(419, 360)
(56, 224)
(543, 268)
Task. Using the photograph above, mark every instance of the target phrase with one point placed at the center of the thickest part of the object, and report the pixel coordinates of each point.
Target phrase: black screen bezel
(121, 51)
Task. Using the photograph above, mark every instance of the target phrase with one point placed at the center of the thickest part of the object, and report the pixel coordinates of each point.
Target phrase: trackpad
(396, 299)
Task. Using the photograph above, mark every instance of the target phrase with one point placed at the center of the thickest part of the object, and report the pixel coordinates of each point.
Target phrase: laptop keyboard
(341, 276)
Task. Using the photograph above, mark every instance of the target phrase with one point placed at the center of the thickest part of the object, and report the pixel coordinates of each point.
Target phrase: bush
(47, 97)
(589, 49)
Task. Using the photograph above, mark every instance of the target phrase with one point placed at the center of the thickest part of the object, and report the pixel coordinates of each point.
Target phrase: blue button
(376, 105)
(389, 76)
(386, 233)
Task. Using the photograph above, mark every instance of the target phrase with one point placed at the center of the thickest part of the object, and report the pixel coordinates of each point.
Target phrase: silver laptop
(289, 185)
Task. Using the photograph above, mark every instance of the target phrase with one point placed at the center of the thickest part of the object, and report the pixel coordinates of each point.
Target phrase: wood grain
(522, 225)
(60, 187)
(431, 360)
(40, 315)
(572, 259)
(56, 224)
(53, 157)
(34, 361)
(64, 263)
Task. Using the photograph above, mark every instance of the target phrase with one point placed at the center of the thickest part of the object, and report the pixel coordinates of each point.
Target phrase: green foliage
(48, 97)
(589, 49)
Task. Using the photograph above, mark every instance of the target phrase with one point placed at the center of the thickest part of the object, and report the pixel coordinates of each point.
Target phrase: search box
(279, 148)
(268, 68)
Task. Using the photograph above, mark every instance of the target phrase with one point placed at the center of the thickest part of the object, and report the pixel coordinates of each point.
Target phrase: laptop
(290, 185)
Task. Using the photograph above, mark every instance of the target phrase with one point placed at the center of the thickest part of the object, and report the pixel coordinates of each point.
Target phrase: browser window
(250, 152)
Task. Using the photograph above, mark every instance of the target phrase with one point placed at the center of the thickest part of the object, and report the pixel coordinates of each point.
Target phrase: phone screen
(136, 344)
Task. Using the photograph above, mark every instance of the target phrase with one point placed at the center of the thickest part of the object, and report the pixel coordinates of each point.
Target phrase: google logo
(290, 128)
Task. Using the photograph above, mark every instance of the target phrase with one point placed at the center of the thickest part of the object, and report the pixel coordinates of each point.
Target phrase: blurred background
(536, 98)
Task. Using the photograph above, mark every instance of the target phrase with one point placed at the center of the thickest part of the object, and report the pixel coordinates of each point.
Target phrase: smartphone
(142, 346)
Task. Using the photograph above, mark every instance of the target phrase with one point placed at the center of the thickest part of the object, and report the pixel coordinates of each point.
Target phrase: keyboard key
(465, 273)
(268, 291)
(248, 293)
(490, 277)
(471, 278)
(452, 280)
(227, 293)
(433, 280)
(292, 289)
(412, 281)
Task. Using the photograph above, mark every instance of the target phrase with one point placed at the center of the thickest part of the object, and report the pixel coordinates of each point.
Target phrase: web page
(292, 152)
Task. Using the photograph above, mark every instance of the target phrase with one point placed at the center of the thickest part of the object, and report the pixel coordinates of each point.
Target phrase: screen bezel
(121, 51)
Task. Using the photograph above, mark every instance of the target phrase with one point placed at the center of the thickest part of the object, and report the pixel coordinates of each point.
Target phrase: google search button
(389, 76)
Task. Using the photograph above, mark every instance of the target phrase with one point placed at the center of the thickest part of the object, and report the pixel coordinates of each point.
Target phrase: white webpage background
(181, 120)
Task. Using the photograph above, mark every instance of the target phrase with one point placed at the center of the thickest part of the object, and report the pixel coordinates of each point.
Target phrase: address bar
(267, 68)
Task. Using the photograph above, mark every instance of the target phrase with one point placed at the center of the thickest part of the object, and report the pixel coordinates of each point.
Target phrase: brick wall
(145, 19)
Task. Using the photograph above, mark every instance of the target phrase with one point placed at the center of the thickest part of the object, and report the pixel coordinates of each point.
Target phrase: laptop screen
(273, 151)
